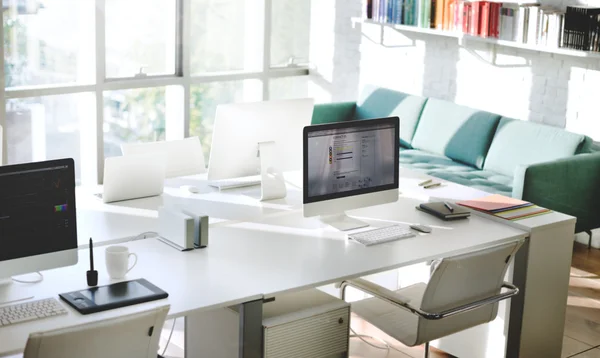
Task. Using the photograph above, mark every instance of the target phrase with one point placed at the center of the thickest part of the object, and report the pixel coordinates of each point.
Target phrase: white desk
(268, 248)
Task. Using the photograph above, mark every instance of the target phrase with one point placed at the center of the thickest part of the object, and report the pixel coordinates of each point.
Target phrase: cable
(142, 236)
(34, 281)
(169, 339)
(363, 336)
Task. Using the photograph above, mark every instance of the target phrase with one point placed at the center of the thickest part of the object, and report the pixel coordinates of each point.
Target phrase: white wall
(553, 89)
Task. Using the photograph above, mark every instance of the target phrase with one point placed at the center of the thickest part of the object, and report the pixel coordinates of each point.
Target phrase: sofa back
(520, 143)
(461, 133)
(377, 102)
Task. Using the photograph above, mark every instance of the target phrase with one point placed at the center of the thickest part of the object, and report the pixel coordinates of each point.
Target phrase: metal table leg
(251, 329)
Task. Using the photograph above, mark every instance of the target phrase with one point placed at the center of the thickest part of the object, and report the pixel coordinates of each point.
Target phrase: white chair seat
(395, 322)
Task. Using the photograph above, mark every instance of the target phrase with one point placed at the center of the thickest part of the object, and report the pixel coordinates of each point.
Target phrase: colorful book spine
(474, 19)
(484, 18)
(466, 17)
(439, 14)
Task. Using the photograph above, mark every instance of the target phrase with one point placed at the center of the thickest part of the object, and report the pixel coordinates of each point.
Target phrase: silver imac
(240, 128)
(38, 228)
(349, 165)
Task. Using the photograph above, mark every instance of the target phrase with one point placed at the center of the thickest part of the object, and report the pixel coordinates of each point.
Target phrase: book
(484, 18)
(495, 19)
(532, 25)
(474, 19)
(522, 213)
(493, 202)
(440, 210)
(466, 16)
(439, 14)
(507, 23)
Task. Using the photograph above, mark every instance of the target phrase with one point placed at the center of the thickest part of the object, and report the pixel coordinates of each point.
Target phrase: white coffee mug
(117, 261)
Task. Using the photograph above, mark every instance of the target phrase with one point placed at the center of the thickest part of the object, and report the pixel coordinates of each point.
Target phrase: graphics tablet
(102, 298)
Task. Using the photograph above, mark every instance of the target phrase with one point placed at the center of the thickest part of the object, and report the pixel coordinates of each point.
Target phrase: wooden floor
(582, 326)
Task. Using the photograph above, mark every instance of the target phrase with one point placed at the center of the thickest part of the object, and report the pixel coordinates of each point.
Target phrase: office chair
(132, 336)
(463, 292)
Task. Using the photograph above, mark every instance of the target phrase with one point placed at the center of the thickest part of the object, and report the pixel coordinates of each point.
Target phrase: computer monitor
(240, 127)
(183, 156)
(38, 226)
(349, 165)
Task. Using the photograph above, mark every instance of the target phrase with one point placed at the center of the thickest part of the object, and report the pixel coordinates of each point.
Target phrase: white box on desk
(176, 228)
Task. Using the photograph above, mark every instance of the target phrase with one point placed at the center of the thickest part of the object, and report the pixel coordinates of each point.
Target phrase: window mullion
(266, 48)
(100, 81)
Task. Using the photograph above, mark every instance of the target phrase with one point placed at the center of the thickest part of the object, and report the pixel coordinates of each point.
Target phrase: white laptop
(133, 177)
(184, 156)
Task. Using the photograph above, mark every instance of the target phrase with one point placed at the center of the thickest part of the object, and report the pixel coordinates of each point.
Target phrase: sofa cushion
(444, 168)
(375, 102)
(523, 143)
(458, 132)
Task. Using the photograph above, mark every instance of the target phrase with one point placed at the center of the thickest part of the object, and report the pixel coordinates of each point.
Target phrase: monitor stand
(272, 182)
(343, 222)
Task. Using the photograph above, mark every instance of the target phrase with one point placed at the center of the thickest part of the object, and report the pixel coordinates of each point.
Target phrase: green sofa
(545, 165)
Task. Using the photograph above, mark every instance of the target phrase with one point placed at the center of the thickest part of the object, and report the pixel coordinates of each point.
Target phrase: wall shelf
(464, 38)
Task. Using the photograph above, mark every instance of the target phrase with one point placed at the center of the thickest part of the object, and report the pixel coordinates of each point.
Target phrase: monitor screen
(350, 158)
(37, 209)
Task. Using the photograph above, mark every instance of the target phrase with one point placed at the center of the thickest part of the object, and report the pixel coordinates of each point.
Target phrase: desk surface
(124, 220)
(255, 248)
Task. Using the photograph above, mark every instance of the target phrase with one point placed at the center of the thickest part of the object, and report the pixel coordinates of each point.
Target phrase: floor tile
(582, 321)
(593, 353)
(572, 346)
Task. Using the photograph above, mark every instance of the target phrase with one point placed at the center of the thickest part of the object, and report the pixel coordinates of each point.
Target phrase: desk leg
(537, 315)
(251, 329)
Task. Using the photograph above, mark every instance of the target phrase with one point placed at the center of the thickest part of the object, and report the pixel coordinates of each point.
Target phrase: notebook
(440, 210)
(494, 203)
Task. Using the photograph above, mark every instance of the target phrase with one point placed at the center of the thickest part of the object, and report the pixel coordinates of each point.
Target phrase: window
(47, 127)
(226, 36)
(290, 33)
(48, 42)
(204, 101)
(141, 38)
(133, 116)
(82, 77)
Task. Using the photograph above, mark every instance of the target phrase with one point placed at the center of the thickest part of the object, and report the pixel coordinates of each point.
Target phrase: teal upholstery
(523, 143)
(377, 102)
(333, 112)
(569, 185)
(547, 166)
(461, 133)
(445, 168)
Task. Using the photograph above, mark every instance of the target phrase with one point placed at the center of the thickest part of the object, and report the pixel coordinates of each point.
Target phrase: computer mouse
(421, 228)
(190, 188)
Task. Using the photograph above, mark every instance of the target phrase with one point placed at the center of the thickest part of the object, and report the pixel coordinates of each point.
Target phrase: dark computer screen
(350, 158)
(37, 208)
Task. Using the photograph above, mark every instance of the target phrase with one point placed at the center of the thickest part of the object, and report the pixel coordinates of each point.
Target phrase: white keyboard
(381, 235)
(29, 311)
(224, 184)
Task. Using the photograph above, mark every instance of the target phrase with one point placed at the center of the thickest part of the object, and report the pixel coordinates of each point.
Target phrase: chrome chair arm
(394, 299)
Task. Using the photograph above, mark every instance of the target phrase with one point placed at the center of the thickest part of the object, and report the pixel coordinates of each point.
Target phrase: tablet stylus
(92, 275)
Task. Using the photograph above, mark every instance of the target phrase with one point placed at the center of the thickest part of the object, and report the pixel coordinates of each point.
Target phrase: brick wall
(552, 89)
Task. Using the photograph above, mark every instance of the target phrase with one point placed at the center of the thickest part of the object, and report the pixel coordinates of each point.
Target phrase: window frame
(93, 168)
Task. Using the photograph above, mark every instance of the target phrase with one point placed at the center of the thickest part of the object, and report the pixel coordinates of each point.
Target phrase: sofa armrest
(569, 185)
(333, 112)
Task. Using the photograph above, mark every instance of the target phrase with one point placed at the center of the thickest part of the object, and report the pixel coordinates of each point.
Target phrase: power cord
(33, 281)
(143, 235)
(362, 337)
(169, 339)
